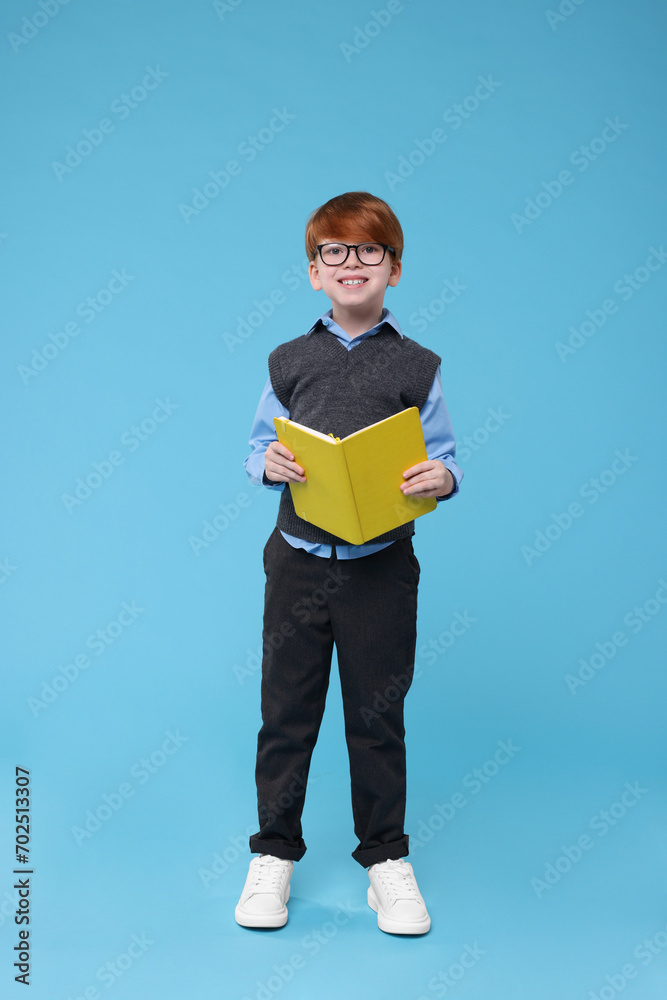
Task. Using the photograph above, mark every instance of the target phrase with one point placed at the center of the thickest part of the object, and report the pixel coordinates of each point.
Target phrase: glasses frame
(355, 247)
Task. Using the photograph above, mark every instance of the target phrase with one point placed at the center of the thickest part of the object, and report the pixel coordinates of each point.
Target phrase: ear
(395, 273)
(314, 275)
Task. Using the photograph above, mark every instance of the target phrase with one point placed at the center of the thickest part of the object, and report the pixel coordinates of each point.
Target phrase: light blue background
(163, 337)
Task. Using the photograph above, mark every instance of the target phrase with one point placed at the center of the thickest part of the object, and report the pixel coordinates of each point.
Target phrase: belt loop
(333, 556)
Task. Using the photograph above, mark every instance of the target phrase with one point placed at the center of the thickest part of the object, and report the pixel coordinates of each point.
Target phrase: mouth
(352, 282)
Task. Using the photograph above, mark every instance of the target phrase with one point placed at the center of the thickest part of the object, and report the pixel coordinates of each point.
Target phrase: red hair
(357, 215)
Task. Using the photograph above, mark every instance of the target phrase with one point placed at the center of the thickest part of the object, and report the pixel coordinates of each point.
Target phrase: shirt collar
(326, 319)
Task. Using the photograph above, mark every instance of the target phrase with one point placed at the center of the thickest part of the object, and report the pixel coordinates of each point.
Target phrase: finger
(283, 475)
(418, 484)
(291, 463)
(415, 470)
(280, 449)
(293, 472)
(282, 457)
(418, 477)
(423, 491)
(293, 467)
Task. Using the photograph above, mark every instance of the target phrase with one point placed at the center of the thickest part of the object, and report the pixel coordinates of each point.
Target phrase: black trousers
(368, 608)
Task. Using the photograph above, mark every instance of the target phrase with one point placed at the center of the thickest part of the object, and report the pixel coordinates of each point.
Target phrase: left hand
(427, 479)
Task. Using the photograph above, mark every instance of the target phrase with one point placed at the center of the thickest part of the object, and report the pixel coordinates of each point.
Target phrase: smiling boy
(353, 368)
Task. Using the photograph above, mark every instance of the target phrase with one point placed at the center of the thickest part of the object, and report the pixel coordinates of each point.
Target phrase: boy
(352, 368)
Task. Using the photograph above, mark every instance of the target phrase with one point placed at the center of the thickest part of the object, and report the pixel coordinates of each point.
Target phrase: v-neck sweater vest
(337, 390)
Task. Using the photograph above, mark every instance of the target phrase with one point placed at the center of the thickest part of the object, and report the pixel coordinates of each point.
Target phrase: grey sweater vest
(338, 391)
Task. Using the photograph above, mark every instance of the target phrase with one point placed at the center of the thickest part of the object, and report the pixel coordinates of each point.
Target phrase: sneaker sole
(390, 926)
(246, 919)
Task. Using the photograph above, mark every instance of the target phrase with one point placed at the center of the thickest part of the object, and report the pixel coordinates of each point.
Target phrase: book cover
(352, 486)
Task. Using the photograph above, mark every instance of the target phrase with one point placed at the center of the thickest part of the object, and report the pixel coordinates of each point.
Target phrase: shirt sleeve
(438, 433)
(263, 432)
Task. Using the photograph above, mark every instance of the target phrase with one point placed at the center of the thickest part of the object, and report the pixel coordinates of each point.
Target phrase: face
(354, 285)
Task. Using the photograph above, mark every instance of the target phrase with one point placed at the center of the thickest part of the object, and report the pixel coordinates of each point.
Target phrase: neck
(355, 323)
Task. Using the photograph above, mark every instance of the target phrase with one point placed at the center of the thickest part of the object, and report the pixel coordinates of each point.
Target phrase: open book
(352, 485)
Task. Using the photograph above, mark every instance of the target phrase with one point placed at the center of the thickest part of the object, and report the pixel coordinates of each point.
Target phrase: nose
(352, 260)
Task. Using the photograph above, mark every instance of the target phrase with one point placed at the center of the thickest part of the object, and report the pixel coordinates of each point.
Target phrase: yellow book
(352, 485)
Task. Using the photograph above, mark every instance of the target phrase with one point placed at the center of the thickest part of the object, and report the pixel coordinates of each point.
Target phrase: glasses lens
(333, 253)
(371, 253)
(368, 253)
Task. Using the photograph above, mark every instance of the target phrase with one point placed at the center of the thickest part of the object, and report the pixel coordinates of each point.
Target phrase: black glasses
(367, 253)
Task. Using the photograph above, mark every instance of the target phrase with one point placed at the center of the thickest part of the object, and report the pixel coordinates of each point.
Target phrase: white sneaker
(265, 893)
(394, 895)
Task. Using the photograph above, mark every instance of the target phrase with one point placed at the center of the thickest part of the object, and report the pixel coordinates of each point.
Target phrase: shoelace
(267, 875)
(398, 880)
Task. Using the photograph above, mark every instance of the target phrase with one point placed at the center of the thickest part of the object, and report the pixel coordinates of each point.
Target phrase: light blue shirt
(438, 437)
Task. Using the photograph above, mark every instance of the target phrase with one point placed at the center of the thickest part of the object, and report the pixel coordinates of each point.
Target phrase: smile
(353, 281)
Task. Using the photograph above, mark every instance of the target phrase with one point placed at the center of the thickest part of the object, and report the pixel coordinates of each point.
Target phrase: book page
(377, 456)
(326, 498)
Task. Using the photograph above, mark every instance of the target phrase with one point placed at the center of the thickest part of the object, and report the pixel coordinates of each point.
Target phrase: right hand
(279, 465)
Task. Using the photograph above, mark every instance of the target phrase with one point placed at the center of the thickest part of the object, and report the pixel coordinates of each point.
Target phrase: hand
(279, 465)
(428, 479)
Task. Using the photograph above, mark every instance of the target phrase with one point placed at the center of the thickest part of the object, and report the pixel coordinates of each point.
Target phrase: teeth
(356, 281)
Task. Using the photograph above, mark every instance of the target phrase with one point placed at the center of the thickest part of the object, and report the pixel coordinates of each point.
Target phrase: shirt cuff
(270, 483)
(455, 490)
